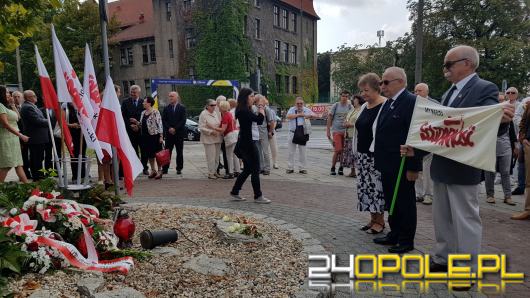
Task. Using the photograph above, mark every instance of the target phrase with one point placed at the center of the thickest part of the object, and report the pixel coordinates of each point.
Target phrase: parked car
(278, 123)
(192, 130)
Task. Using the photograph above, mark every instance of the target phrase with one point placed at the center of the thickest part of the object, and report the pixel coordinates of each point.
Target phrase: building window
(257, 3)
(245, 25)
(276, 16)
(287, 87)
(170, 48)
(168, 10)
(190, 38)
(191, 73)
(284, 19)
(187, 4)
(148, 53)
(293, 22)
(295, 85)
(277, 50)
(278, 83)
(145, 54)
(125, 85)
(285, 52)
(126, 56)
(294, 58)
(147, 83)
(258, 29)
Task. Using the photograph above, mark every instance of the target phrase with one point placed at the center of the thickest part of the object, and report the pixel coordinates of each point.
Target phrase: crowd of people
(368, 133)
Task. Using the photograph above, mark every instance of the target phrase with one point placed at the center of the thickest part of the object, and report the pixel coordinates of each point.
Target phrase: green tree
(323, 69)
(20, 19)
(76, 23)
(498, 29)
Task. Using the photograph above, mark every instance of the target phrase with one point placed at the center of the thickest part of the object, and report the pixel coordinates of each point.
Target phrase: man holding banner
(463, 144)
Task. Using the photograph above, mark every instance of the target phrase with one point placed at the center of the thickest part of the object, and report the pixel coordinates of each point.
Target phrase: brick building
(157, 35)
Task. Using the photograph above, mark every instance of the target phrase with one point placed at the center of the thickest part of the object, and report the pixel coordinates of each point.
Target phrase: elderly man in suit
(391, 132)
(457, 224)
(174, 120)
(36, 128)
(131, 109)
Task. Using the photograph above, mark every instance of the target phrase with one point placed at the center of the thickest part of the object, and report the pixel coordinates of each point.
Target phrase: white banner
(465, 135)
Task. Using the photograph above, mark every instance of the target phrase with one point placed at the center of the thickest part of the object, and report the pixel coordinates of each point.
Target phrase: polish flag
(51, 101)
(74, 93)
(90, 86)
(111, 129)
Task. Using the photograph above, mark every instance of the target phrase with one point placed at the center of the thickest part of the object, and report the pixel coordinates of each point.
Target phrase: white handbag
(231, 137)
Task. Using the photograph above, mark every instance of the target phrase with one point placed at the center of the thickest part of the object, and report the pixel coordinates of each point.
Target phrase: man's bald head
(173, 97)
(30, 96)
(394, 79)
(422, 90)
(460, 62)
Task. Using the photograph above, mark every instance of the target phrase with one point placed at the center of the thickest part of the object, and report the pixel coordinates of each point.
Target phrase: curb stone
(309, 244)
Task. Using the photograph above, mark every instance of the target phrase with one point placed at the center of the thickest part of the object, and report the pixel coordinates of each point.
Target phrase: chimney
(142, 18)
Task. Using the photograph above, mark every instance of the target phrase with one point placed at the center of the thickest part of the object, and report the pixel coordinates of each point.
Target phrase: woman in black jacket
(246, 147)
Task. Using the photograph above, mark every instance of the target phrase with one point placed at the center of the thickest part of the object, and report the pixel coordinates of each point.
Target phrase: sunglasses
(299, 103)
(511, 92)
(450, 64)
(386, 82)
(213, 105)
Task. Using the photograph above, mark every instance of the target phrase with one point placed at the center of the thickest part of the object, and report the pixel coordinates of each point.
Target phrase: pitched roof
(135, 17)
(305, 5)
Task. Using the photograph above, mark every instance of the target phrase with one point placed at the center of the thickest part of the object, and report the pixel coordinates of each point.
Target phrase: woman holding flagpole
(10, 154)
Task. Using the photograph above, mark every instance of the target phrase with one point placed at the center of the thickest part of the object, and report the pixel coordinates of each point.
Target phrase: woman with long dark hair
(246, 148)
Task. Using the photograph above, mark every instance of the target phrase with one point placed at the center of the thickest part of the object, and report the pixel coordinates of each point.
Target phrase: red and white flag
(90, 86)
(111, 129)
(51, 102)
(74, 93)
(465, 135)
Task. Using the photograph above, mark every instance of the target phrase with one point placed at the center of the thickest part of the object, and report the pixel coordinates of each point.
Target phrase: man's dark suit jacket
(175, 119)
(477, 92)
(129, 110)
(35, 124)
(392, 129)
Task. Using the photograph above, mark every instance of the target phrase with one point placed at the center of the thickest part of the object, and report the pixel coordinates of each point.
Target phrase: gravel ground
(274, 267)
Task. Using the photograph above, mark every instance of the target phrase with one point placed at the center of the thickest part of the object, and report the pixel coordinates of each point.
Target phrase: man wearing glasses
(391, 132)
(335, 128)
(457, 224)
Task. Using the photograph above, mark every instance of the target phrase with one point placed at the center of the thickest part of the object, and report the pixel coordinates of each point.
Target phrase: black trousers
(136, 143)
(251, 168)
(225, 159)
(177, 142)
(403, 221)
(25, 159)
(36, 159)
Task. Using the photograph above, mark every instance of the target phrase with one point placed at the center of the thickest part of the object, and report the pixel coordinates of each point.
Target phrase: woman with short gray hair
(209, 119)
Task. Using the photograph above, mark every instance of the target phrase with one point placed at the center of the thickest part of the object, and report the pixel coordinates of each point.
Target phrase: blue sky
(357, 21)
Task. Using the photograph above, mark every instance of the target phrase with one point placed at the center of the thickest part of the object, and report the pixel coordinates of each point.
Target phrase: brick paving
(325, 206)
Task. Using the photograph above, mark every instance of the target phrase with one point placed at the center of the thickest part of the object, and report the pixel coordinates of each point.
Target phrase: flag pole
(54, 148)
(396, 188)
(63, 156)
(80, 156)
(104, 44)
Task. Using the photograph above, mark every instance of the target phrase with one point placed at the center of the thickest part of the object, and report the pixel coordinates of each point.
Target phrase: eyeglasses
(386, 82)
(511, 92)
(213, 105)
(450, 64)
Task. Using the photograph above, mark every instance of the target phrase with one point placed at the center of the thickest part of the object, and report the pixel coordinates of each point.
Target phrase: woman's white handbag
(231, 137)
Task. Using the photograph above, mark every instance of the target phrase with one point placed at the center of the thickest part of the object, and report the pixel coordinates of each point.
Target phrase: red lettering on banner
(76, 98)
(448, 136)
(94, 92)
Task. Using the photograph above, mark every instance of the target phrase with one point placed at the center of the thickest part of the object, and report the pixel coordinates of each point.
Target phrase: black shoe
(289, 171)
(435, 267)
(419, 199)
(266, 173)
(400, 249)
(518, 191)
(236, 174)
(341, 171)
(385, 240)
(146, 172)
(164, 171)
(333, 172)
(179, 172)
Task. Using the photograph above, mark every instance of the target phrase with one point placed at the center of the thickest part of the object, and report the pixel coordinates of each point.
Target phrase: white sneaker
(275, 167)
(262, 200)
(237, 198)
(427, 200)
